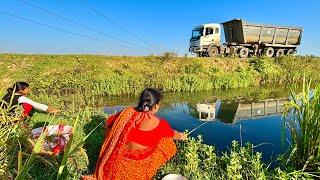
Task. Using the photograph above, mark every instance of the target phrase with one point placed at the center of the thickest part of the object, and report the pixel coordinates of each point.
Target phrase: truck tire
(290, 52)
(269, 52)
(279, 52)
(213, 51)
(244, 52)
(199, 54)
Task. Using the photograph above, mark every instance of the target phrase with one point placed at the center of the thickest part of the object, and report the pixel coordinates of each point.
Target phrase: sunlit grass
(62, 75)
(303, 124)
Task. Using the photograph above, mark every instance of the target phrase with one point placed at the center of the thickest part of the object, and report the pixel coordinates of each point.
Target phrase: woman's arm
(169, 132)
(36, 105)
(53, 110)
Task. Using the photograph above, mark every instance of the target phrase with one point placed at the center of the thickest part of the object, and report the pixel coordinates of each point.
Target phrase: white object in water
(173, 177)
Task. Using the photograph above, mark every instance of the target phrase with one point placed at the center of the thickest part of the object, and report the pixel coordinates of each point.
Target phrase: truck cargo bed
(239, 32)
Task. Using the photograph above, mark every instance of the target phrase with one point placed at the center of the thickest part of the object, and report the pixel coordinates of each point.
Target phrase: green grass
(108, 75)
(303, 124)
(18, 161)
(195, 160)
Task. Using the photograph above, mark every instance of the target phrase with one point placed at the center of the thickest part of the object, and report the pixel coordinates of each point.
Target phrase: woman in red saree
(137, 143)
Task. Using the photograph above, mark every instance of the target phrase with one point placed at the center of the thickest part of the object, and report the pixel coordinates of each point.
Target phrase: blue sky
(165, 24)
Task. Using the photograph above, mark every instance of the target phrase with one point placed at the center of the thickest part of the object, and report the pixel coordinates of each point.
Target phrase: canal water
(249, 115)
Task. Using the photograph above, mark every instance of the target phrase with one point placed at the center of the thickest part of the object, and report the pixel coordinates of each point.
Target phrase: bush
(168, 55)
(195, 160)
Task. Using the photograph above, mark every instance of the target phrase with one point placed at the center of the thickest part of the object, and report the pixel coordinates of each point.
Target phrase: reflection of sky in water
(182, 116)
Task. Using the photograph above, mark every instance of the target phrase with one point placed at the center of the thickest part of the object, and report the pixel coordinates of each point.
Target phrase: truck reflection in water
(233, 111)
(207, 112)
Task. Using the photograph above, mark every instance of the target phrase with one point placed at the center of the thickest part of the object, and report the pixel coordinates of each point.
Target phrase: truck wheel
(213, 51)
(199, 54)
(244, 52)
(279, 52)
(269, 52)
(290, 52)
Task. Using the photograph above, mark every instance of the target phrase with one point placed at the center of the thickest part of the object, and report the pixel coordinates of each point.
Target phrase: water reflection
(113, 109)
(258, 111)
(207, 112)
(231, 111)
(260, 120)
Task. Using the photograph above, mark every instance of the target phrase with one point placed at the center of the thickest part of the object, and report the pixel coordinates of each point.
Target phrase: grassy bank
(82, 79)
(107, 75)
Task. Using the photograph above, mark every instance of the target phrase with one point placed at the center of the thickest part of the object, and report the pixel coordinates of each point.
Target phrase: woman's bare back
(145, 124)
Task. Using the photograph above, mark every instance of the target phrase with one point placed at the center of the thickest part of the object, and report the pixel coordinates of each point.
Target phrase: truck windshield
(196, 33)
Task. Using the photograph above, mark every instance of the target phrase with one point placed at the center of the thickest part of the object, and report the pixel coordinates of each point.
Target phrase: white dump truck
(244, 39)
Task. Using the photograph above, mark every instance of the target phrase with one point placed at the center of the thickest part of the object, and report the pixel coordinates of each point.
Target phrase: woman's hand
(179, 136)
(53, 110)
(183, 136)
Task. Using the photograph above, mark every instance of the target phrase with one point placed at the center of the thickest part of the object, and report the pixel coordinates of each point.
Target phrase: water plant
(303, 123)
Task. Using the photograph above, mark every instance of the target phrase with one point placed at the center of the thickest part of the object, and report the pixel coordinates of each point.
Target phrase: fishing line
(197, 127)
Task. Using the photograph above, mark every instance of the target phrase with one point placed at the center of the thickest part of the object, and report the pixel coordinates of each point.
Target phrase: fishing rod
(90, 108)
(197, 127)
(77, 110)
(127, 106)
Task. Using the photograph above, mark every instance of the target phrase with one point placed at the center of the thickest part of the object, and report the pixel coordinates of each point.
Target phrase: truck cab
(204, 36)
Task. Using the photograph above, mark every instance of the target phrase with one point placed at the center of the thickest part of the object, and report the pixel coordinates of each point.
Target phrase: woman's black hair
(148, 99)
(19, 85)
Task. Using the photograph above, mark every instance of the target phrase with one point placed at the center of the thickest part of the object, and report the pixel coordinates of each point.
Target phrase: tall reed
(302, 119)
(22, 172)
(68, 152)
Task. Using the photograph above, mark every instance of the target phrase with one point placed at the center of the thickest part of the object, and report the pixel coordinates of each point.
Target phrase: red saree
(116, 162)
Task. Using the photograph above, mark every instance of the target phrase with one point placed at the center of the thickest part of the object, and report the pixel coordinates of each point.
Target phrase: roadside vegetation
(77, 83)
(59, 75)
